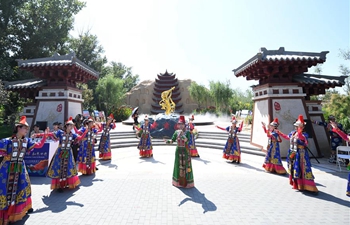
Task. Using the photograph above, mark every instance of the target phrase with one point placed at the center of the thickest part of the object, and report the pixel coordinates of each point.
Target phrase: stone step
(214, 140)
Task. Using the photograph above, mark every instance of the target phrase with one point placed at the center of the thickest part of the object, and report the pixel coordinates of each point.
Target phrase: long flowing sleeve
(341, 134)
(221, 128)
(265, 130)
(285, 136)
(240, 127)
(39, 144)
(80, 137)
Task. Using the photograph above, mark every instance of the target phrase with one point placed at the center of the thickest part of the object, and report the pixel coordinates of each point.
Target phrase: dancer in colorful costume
(86, 154)
(182, 173)
(15, 189)
(192, 142)
(62, 169)
(335, 139)
(300, 172)
(346, 138)
(145, 144)
(273, 161)
(232, 149)
(105, 142)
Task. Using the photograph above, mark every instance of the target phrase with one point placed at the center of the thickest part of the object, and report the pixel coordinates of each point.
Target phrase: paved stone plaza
(131, 190)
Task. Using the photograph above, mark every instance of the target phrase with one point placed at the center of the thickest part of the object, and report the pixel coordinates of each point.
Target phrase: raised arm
(341, 134)
(154, 125)
(240, 127)
(77, 131)
(285, 136)
(320, 123)
(40, 143)
(39, 135)
(80, 137)
(221, 128)
(264, 127)
(339, 131)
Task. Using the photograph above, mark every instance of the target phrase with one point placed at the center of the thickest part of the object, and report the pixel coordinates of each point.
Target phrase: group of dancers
(298, 160)
(15, 190)
(15, 193)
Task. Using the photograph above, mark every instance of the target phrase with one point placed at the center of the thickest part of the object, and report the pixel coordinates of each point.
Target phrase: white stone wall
(74, 108)
(260, 115)
(50, 111)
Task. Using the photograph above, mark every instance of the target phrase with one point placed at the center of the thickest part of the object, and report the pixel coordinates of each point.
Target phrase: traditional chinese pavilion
(164, 82)
(284, 91)
(54, 91)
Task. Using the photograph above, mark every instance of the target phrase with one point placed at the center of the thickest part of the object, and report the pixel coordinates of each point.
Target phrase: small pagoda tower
(162, 83)
(54, 91)
(284, 91)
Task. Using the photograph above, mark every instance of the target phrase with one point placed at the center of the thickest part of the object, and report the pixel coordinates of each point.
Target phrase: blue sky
(204, 40)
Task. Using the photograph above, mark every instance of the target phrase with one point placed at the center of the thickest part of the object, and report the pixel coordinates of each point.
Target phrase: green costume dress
(183, 173)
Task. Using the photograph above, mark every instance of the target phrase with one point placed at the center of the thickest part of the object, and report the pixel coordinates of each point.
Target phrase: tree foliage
(121, 71)
(199, 93)
(88, 50)
(31, 29)
(226, 99)
(338, 105)
(3, 94)
(34, 28)
(220, 93)
(110, 92)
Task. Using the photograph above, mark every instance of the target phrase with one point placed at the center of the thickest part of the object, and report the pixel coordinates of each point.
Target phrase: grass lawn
(5, 131)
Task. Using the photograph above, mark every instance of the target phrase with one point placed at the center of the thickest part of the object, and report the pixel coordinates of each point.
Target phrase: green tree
(221, 93)
(121, 71)
(32, 29)
(199, 93)
(88, 96)
(110, 92)
(338, 105)
(87, 49)
(3, 94)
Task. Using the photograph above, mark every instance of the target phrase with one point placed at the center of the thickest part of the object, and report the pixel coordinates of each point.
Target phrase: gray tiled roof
(281, 55)
(57, 60)
(319, 79)
(22, 84)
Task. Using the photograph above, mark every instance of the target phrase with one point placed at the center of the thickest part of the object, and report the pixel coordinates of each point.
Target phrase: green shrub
(122, 113)
(248, 119)
(5, 131)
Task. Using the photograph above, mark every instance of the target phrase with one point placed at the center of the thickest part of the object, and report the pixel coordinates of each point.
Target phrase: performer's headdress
(110, 116)
(300, 121)
(192, 117)
(181, 120)
(331, 117)
(69, 121)
(22, 122)
(88, 120)
(233, 119)
(146, 117)
(275, 123)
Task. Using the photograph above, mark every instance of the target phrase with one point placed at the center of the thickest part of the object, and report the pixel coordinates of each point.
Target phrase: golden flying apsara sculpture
(167, 103)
